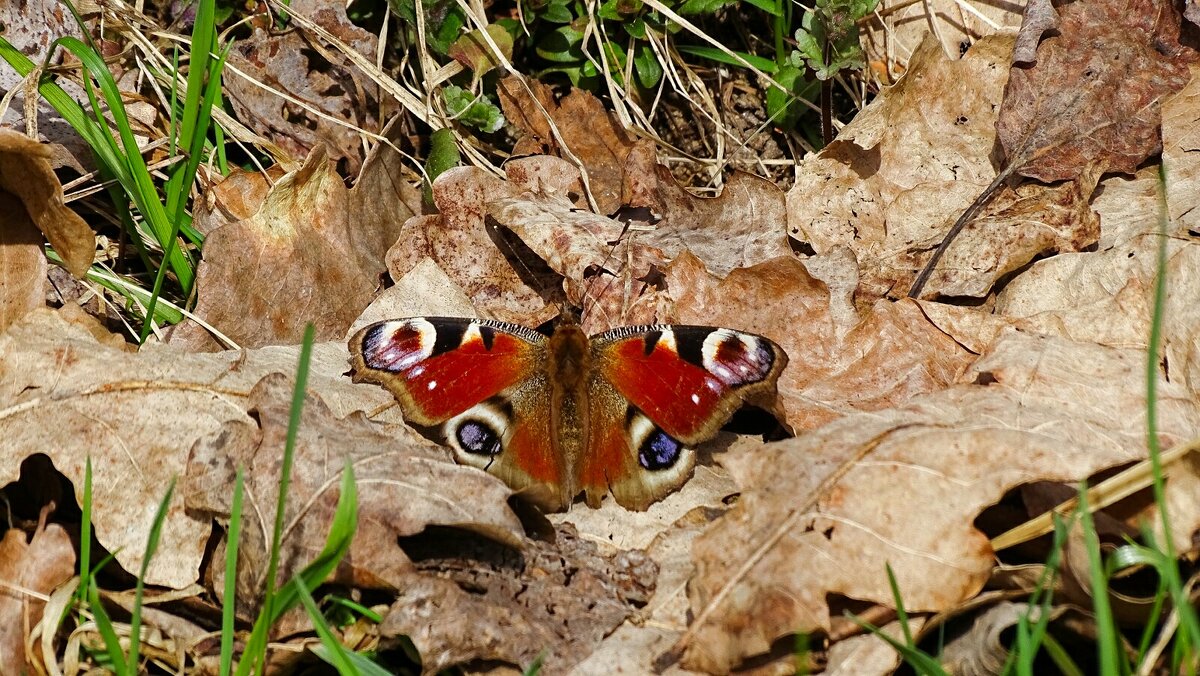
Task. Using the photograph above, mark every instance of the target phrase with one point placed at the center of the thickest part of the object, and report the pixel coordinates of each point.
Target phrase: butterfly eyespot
(477, 437)
(659, 451)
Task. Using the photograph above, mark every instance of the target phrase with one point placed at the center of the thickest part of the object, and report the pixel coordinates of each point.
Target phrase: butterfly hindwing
(481, 382)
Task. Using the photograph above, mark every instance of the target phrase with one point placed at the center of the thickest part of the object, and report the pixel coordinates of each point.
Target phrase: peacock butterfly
(557, 416)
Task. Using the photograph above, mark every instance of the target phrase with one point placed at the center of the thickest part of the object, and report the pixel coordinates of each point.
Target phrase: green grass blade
(918, 660)
(112, 644)
(901, 613)
(135, 623)
(713, 54)
(140, 184)
(1108, 645)
(357, 608)
(334, 652)
(1189, 624)
(229, 608)
(337, 544)
(254, 655)
(85, 533)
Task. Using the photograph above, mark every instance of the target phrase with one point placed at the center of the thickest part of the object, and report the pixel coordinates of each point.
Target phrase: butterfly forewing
(438, 367)
(688, 380)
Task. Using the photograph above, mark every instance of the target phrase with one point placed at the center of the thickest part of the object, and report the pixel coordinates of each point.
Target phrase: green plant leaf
(562, 45)
(645, 64)
(557, 11)
(693, 7)
(474, 53)
(783, 106)
(474, 111)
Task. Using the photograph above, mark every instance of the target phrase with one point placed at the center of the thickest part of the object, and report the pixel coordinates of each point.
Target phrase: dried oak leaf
(742, 226)
(1095, 93)
(29, 569)
(23, 266)
(633, 647)
(313, 77)
(605, 268)
(592, 134)
(480, 603)
(914, 158)
(818, 518)
(68, 396)
(1039, 17)
(1018, 225)
(839, 362)
(1104, 296)
(296, 260)
(25, 173)
(474, 253)
(405, 485)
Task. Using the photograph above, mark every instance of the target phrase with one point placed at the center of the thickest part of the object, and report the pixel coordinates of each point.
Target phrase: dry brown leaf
(235, 198)
(382, 199)
(473, 253)
(838, 362)
(22, 264)
(296, 260)
(634, 646)
(26, 174)
(31, 28)
(1040, 16)
(1017, 225)
(66, 395)
(592, 134)
(1105, 296)
(483, 603)
(405, 485)
(588, 250)
(890, 37)
(29, 569)
(426, 291)
(905, 166)
(742, 226)
(819, 517)
(1095, 93)
(303, 68)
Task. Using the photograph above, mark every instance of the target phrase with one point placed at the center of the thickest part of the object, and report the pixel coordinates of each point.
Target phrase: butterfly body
(557, 416)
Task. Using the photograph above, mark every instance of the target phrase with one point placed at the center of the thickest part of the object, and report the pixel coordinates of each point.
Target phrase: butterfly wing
(656, 392)
(481, 382)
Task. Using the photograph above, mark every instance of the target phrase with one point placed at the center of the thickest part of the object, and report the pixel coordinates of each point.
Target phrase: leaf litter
(914, 419)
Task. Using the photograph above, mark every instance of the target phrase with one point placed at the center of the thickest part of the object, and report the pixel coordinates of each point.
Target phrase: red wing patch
(441, 367)
(687, 379)
(677, 395)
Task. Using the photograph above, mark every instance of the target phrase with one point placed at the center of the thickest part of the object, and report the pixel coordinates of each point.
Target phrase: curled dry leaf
(312, 77)
(26, 174)
(28, 569)
(477, 602)
(839, 362)
(592, 134)
(1095, 93)
(405, 484)
(818, 518)
(1040, 16)
(296, 260)
(64, 394)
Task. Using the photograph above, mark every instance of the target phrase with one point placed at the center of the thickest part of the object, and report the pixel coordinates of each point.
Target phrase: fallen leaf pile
(924, 427)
